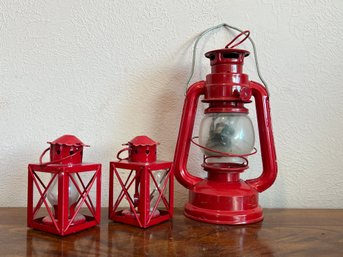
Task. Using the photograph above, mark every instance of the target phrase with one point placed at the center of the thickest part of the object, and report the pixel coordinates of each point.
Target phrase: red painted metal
(66, 170)
(141, 149)
(140, 186)
(66, 149)
(222, 197)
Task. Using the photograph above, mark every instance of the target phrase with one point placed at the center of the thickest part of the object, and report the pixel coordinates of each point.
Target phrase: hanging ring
(246, 33)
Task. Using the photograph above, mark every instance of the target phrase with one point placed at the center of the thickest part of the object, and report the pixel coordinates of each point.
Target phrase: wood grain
(284, 232)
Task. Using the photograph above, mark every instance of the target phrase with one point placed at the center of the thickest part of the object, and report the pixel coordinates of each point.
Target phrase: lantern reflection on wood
(67, 184)
(146, 185)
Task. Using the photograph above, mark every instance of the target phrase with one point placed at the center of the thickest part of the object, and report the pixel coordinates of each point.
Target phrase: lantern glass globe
(73, 194)
(227, 133)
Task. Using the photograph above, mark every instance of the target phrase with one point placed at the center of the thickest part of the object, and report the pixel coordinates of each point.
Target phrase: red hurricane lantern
(226, 138)
(66, 183)
(146, 185)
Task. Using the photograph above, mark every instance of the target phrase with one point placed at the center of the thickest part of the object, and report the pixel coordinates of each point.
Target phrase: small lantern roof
(68, 140)
(142, 141)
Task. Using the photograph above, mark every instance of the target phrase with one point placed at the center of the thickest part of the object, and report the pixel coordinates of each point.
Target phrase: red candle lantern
(226, 138)
(66, 183)
(146, 185)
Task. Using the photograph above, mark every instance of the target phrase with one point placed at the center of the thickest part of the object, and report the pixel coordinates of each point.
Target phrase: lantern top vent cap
(230, 53)
(68, 140)
(142, 141)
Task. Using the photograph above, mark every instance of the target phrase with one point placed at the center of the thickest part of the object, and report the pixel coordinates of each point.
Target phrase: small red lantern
(146, 185)
(226, 138)
(66, 183)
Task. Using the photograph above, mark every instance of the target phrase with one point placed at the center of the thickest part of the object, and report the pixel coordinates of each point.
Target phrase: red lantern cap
(143, 141)
(68, 140)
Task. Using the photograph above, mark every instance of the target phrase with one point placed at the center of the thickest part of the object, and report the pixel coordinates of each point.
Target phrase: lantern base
(223, 202)
(223, 217)
(129, 213)
(79, 219)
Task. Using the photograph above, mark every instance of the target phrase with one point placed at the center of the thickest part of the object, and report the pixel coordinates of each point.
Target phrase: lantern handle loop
(42, 155)
(52, 162)
(222, 154)
(267, 145)
(183, 144)
(246, 33)
(121, 151)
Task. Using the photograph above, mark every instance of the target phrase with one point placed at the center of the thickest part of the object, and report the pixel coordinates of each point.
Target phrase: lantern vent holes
(58, 151)
(147, 151)
(71, 152)
(136, 151)
(230, 55)
(212, 57)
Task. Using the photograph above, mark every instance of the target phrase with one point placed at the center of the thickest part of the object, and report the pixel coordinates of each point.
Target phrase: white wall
(108, 71)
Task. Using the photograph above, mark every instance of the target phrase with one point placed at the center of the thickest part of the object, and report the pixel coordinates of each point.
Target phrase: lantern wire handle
(52, 162)
(222, 153)
(228, 27)
(119, 153)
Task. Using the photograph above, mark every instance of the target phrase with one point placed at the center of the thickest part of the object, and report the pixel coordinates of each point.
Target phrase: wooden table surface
(284, 232)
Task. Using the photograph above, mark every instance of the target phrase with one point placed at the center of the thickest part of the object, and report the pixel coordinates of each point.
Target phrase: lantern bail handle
(246, 33)
(121, 151)
(52, 162)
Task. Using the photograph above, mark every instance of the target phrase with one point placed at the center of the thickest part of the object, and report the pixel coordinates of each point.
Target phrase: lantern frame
(66, 167)
(141, 164)
(222, 197)
(63, 225)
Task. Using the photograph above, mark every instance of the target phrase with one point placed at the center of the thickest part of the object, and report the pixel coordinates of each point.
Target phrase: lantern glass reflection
(228, 133)
(159, 176)
(53, 193)
(73, 196)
